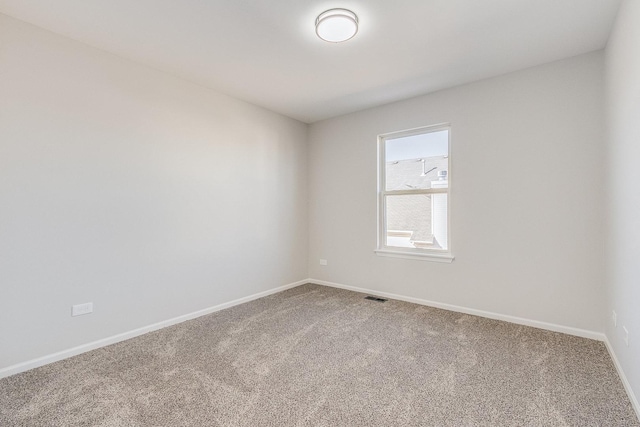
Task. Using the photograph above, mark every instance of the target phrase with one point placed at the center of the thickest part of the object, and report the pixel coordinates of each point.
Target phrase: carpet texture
(318, 356)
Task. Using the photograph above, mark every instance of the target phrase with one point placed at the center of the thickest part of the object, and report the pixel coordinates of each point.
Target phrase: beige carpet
(317, 356)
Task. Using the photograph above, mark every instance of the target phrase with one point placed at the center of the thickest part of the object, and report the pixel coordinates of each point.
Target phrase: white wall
(623, 189)
(150, 196)
(527, 187)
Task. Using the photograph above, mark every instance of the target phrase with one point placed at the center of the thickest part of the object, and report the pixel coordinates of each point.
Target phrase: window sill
(433, 257)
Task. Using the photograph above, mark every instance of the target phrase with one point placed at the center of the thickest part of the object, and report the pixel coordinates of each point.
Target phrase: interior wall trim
(83, 348)
(623, 377)
(599, 336)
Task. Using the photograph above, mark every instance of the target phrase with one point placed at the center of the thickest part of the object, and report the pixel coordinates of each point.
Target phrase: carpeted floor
(318, 356)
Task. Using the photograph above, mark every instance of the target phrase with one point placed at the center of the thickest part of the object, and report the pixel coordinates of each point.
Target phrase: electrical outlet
(80, 309)
(614, 318)
(625, 337)
(323, 262)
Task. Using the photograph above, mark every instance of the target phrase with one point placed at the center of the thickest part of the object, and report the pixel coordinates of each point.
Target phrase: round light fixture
(336, 25)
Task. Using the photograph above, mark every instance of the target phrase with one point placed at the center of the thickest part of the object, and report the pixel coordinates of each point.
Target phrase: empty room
(319, 213)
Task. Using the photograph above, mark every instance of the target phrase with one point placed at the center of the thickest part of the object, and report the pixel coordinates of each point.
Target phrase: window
(413, 194)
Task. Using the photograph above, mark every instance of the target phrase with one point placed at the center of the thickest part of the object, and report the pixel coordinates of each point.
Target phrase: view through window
(414, 188)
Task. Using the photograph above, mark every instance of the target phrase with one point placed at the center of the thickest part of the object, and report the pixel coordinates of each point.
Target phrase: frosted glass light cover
(336, 25)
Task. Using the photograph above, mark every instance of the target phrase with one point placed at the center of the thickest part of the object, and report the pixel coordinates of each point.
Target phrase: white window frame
(437, 255)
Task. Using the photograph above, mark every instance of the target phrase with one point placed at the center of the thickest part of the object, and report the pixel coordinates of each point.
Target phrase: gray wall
(526, 189)
(147, 195)
(623, 189)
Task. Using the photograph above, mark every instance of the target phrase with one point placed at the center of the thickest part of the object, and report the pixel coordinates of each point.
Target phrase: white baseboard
(623, 377)
(512, 319)
(34, 363)
(64, 354)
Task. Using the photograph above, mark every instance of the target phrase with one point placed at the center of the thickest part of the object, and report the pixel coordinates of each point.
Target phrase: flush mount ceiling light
(336, 25)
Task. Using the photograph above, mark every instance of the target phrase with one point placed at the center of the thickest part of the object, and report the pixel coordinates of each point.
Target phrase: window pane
(414, 162)
(416, 221)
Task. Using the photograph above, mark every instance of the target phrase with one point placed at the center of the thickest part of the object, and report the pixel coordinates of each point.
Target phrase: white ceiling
(266, 51)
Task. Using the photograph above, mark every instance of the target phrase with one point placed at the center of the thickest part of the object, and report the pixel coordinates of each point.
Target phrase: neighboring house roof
(408, 174)
(412, 212)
